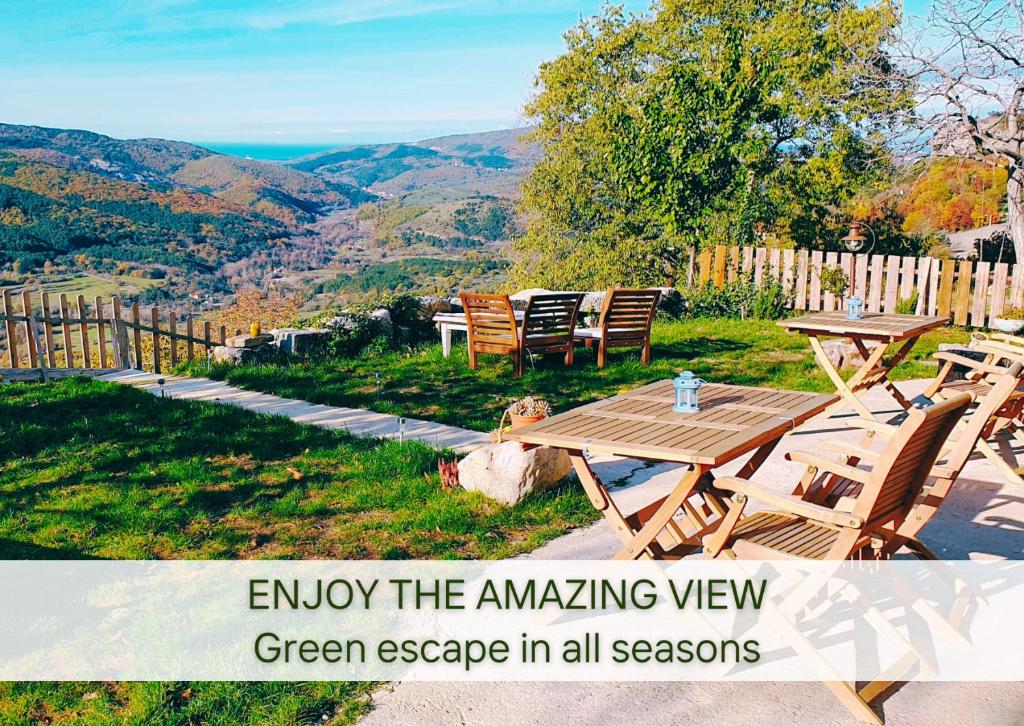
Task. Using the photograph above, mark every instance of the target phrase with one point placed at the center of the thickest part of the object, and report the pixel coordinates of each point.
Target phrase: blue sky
(318, 71)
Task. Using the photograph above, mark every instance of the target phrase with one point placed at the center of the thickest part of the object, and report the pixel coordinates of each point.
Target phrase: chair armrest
(843, 447)
(833, 467)
(875, 427)
(788, 504)
(974, 365)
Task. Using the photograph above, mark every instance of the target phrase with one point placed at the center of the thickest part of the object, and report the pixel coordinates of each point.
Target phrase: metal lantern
(687, 388)
(854, 308)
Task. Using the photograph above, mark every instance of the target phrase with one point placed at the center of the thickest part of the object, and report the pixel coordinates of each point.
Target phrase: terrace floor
(984, 518)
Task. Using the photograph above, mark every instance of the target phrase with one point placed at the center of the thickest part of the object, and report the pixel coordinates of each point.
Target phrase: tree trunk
(1015, 208)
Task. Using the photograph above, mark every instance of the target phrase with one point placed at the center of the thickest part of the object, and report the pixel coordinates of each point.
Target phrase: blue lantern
(854, 308)
(687, 388)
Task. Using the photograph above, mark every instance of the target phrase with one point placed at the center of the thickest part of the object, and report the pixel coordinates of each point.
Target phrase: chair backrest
(993, 404)
(903, 468)
(550, 320)
(490, 321)
(627, 314)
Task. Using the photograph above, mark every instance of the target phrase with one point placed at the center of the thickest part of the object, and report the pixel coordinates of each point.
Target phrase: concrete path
(354, 420)
(984, 518)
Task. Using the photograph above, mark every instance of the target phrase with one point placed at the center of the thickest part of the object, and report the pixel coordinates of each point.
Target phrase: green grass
(424, 384)
(94, 470)
(90, 286)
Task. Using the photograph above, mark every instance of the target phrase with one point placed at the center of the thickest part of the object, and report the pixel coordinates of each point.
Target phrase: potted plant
(1011, 320)
(528, 410)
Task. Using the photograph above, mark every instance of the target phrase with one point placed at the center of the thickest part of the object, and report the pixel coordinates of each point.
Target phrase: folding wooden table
(733, 421)
(886, 329)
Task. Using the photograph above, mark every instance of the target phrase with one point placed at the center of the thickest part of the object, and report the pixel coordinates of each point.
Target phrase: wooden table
(733, 421)
(883, 328)
(447, 322)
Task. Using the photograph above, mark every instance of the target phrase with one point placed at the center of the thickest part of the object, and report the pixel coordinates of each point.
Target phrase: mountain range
(72, 199)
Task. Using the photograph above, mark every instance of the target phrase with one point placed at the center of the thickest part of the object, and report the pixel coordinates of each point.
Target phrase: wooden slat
(190, 348)
(760, 258)
(207, 336)
(800, 298)
(788, 269)
(69, 346)
(1017, 285)
(30, 338)
(101, 332)
(892, 279)
(933, 287)
(979, 308)
(172, 327)
(860, 275)
(908, 273)
(814, 293)
(44, 309)
(876, 283)
(705, 266)
(831, 261)
(921, 284)
(963, 293)
(774, 262)
(13, 359)
(83, 329)
(154, 322)
(945, 301)
(998, 297)
(748, 260)
(734, 263)
(137, 335)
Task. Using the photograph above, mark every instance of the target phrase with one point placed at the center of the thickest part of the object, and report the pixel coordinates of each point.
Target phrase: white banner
(512, 620)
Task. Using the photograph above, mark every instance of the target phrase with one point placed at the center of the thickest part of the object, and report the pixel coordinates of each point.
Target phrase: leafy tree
(699, 120)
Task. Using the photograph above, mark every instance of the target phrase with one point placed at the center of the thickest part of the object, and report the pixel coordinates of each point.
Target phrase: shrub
(907, 305)
(356, 331)
(739, 298)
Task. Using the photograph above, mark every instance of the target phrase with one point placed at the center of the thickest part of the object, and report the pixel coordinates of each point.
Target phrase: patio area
(980, 520)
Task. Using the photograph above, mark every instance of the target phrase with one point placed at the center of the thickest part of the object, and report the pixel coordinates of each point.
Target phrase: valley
(159, 220)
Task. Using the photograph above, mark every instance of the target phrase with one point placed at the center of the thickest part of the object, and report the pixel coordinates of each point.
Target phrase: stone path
(354, 420)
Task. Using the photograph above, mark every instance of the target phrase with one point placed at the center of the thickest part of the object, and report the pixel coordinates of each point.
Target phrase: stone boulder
(300, 343)
(248, 341)
(506, 473)
(430, 306)
(241, 356)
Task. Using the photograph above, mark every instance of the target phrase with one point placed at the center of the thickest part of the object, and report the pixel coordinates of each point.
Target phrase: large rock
(300, 343)
(430, 306)
(248, 341)
(239, 356)
(506, 473)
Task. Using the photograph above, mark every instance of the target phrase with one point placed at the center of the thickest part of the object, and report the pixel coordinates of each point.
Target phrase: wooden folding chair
(979, 380)
(491, 326)
(549, 324)
(800, 529)
(625, 322)
(999, 404)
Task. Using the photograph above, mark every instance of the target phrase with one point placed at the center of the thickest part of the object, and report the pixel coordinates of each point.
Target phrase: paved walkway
(982, 519)
(354, 420)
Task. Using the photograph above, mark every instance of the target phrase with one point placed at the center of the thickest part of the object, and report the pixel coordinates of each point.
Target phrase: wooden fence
(64, 335)
(970, 293)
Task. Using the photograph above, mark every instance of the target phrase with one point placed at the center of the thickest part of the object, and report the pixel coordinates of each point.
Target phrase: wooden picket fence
(968, 292)
(60, 335)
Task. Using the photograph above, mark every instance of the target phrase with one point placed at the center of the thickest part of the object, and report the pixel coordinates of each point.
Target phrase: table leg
(446, 339)
(600, 498)
(842, 388)
(640, 544)
(894, 361)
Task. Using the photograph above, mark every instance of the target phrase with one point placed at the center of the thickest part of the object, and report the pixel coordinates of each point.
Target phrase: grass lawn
(92, 285)
(93, 470)
(424, 384)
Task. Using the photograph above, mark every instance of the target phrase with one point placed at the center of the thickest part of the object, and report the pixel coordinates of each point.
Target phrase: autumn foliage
(953, 195)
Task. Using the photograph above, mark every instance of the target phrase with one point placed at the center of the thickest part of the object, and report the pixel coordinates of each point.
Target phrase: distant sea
(267, 152)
